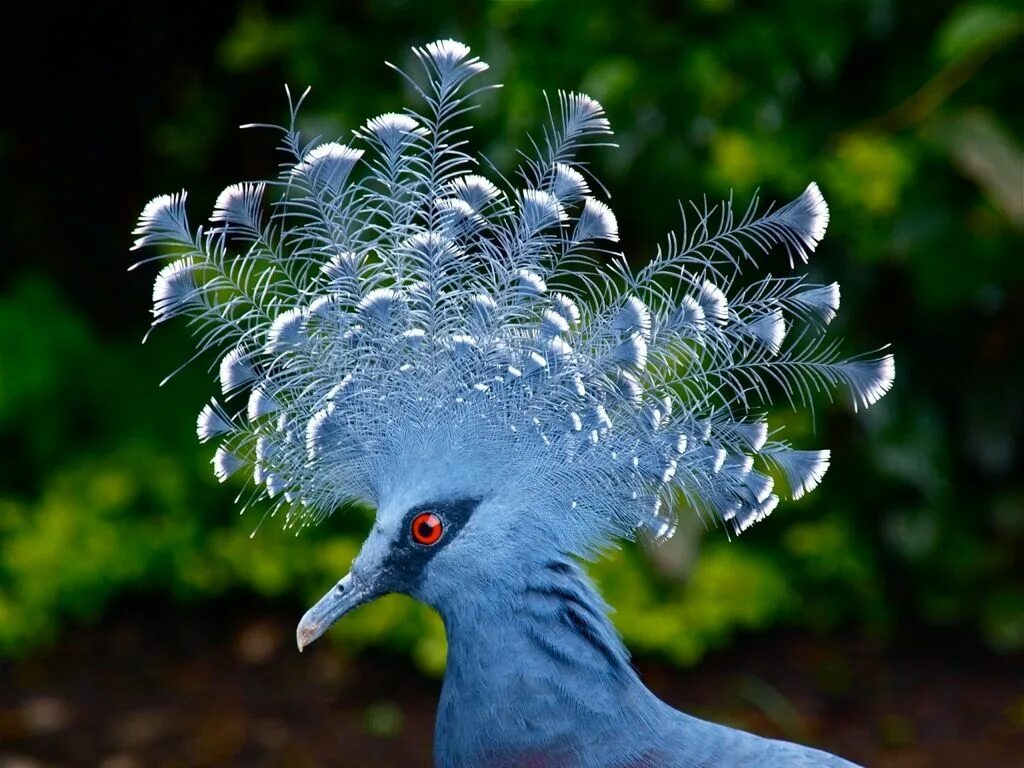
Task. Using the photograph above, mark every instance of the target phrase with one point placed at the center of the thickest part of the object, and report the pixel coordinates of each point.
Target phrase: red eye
(427, 528)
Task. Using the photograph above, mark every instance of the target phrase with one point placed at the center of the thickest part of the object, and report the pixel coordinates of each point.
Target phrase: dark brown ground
(187, 687)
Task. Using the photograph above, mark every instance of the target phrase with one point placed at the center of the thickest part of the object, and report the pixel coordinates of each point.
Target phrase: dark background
(883, 616)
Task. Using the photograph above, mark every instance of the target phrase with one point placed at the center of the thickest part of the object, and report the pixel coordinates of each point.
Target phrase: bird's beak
(350, 593)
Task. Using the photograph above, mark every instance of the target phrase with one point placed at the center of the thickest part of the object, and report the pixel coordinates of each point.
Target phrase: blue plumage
(468, 356)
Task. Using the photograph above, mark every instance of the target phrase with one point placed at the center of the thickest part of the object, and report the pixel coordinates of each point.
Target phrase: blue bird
(468, 354)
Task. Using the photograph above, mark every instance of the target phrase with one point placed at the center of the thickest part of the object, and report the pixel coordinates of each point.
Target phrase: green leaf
(975, 27)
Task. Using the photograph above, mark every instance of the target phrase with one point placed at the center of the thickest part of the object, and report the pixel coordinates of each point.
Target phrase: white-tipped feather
(381, 305)
(629, 388)
(710, 458)
(394, 131)
(568, 184)
(869, 380)
(553, 324)
(739, 466)
(557, 350)
(321, 433)
(260, 404)
(566, 307)
(820, 301)
(719, 461)
(807, 217)
(483, 309)
(239, 205)
(770, 330)
(450, 59)
(750, 436)
(531, 284)
(265, 450)
(415, 337)
(430, 249)
(713, 303)
(688, 318)
(534, 364)
(458, 217)
(336, 391)
(235, 370)
(476, 191)
(463, 342)
(327, 166)
(539, 210)
(598, 419)
(322, 309)
(631, 353)
(758, 485)
(634, 316)
(596, 222)
(342, 266)
(275, 484)
(211, 422)
(173, 290)
(750, 514)
(225, 463)
(583, 114)
(286, 331)
(163, 220)
(676, 443)
(803, 470)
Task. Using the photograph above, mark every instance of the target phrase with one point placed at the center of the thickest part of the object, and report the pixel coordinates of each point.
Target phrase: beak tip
(328, 610)
(305, 634)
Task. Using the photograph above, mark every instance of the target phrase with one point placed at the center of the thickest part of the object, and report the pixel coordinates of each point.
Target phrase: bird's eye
(427, 528)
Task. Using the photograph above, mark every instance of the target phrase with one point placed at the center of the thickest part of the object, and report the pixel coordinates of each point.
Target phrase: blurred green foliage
(909, 116)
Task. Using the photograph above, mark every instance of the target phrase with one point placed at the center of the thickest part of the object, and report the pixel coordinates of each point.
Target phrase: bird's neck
(527, 667)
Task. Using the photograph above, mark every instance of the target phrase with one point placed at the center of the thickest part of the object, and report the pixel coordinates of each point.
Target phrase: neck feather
(567, 622)
(527, 666)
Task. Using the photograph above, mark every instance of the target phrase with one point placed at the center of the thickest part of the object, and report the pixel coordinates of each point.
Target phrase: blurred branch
(969, 58)
(986, 153)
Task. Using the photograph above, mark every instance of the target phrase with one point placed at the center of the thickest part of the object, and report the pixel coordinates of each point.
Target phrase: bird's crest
(387, 314)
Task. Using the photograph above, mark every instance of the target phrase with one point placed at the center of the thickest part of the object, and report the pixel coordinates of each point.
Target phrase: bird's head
(447, 541)
(425, 551)
(471, 359)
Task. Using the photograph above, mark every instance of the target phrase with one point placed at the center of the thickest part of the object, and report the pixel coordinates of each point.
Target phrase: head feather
(412, 324)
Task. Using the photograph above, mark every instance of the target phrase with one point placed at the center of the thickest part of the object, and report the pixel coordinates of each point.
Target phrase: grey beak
(349, 594)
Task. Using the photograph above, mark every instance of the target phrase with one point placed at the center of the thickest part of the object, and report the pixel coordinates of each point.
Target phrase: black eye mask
(404, 567)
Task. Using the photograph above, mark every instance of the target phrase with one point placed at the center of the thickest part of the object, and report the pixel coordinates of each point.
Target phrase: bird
(395, 321)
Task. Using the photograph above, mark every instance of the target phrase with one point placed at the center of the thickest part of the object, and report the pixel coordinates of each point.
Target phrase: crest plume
(382, 310)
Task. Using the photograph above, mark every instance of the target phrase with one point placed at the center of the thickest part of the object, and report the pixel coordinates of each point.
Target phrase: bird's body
(532, 662)
(459, 354)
